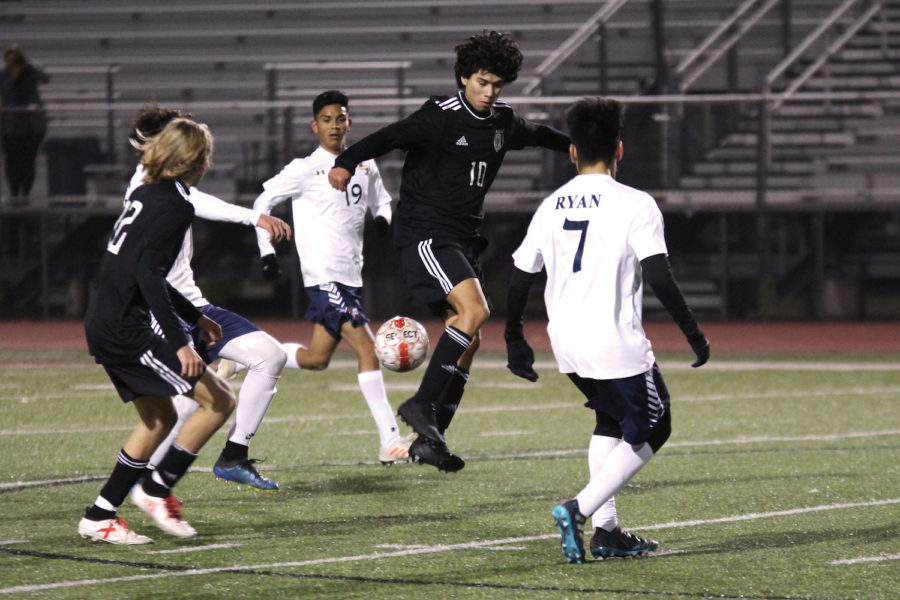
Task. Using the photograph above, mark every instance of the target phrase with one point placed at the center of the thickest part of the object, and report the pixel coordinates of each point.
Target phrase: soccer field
(780, 480)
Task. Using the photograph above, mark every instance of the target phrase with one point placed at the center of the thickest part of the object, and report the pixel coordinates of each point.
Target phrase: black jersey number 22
(132, 209)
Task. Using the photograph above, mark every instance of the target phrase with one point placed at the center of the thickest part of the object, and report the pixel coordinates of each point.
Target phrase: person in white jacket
(242, 341)
(328, 227)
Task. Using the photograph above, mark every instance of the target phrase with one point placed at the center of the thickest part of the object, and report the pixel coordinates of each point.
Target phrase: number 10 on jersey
(477, 173)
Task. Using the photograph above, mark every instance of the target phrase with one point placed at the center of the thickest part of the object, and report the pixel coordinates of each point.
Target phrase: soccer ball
(401, 344)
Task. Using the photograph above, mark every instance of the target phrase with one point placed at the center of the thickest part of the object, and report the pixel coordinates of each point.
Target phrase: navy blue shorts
(431, 268)
(156, 372)
(636, 403)
(331, 304)
(233, 326)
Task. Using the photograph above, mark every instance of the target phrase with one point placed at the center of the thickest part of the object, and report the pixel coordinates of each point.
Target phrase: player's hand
(700, 346)
(278, 230)
(338, 178)
(191, 363)
(212, 331)
(521, 359)
(271, 268)
(381, 226)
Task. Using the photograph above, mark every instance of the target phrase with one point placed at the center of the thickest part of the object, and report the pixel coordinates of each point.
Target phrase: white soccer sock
(185, 407)
(291, 349)
(620, 465)
(604, 517)
(372, 385)
(254, 399)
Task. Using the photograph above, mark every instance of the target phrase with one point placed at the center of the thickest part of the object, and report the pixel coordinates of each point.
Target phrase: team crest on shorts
(498, 140)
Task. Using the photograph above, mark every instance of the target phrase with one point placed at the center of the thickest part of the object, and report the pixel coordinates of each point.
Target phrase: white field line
(17, 484)
(11, 542)
(504, 433)
(194, 549)
(865, 559)
(416, 551)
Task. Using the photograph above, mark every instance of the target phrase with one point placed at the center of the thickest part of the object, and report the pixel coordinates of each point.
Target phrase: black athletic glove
(521, 358)
(700, 346)
(271, 268)
(381, 226)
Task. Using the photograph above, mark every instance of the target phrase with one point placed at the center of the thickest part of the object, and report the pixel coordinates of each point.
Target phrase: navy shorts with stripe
(636, 403)
(332, 304)
(156, 372)
(431, 268)
(233, 326)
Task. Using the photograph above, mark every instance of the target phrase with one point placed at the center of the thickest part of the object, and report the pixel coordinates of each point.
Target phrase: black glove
(381, 226)
(271, 268)
(521, 358)
(700, 346)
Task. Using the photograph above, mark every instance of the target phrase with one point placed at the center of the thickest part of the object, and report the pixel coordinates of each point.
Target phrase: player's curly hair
(490, 51)
(595, 126)
(150, 121)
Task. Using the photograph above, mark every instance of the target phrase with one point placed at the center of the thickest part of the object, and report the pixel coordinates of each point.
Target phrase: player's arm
(289, 182)
(417, 129)
(528, 133)
(207, 206)
(658, 273)
(520, 356)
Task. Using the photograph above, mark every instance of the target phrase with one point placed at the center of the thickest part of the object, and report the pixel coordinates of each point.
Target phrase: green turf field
(780, 480)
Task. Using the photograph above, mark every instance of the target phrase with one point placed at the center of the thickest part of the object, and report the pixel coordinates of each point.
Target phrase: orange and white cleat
(398, 450)
(113, 531)
(165, 512)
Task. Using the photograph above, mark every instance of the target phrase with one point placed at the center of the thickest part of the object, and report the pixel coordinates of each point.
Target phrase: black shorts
(636, 403)
(431, 268)
(156, 372)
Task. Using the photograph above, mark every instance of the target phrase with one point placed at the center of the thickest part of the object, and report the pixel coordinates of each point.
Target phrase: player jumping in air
(454, 147)
(599, 241)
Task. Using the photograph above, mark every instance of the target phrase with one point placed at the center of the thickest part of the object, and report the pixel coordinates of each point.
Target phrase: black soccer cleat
(421, 417)
(620, 543)
(437, 454)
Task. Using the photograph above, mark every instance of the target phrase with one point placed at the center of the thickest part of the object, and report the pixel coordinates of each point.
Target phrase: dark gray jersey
(453, 154)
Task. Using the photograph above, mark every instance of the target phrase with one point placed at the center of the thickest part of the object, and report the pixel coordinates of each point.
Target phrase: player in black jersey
(133, 329)
(454, 147)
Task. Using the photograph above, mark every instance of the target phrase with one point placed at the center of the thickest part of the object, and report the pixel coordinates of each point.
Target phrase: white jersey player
(599, 240)
(242, 341)
(328, 233)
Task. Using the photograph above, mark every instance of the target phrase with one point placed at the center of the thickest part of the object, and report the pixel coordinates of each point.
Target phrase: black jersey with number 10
(453, 155)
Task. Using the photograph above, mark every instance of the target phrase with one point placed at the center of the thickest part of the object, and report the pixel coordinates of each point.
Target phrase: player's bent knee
(661, 432)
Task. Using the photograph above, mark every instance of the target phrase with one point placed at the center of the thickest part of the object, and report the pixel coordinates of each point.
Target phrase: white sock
(254, 399)
(372, 385)
(291, 349)
(604, 517)
(185, 407)
(620, 465)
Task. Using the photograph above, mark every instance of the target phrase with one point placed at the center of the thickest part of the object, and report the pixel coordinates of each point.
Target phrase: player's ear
(314, 127)
(620, 151)
(573, 154)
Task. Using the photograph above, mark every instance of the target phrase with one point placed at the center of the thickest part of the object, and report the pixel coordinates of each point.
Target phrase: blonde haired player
(148, 367)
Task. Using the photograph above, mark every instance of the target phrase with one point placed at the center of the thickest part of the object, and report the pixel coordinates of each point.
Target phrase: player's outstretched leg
(570, 523)
(620, 543)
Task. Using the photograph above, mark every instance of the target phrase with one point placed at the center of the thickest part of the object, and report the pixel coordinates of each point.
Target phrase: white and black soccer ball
(401, 344)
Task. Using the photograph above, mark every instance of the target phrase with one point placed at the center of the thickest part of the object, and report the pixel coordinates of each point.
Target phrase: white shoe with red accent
(398, 450)
(165, 512)
(113, 531)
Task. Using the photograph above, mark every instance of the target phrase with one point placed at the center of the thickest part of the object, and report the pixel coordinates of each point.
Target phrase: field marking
(503, 433)
(11, 542)
(533, 454)
(194, 549)
(865, 559)
(414, 551)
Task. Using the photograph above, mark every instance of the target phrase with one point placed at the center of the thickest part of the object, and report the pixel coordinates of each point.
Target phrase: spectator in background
(23, 122)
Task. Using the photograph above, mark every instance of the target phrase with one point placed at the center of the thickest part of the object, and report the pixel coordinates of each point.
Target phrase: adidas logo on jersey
(462, 141)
